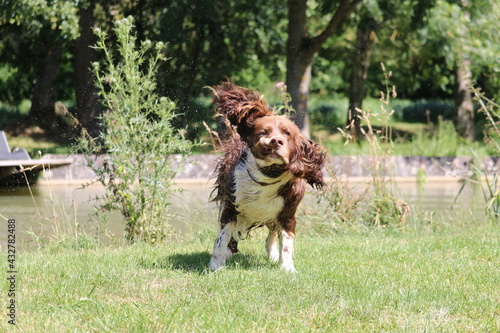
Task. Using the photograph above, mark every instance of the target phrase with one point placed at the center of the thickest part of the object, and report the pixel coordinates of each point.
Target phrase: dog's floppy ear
(308, 162)
(240, 106)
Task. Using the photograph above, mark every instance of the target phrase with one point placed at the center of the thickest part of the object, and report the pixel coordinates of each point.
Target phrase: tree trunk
(42, 112)
(464, 109)
(299, 63)
(298, 77)
(87, 101)
(360, 61)
(300, 52)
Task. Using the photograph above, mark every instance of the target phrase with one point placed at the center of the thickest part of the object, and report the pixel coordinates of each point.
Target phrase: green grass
(408, 139)
(34, 146)
(392, 281)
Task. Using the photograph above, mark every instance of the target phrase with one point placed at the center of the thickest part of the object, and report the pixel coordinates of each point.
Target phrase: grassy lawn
(392, 281)
(43, 146)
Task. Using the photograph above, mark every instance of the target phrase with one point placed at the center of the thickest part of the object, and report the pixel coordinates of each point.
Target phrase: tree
(466, 34)
(301, 49)
(210, 40)
(379, 20)
(39, 32)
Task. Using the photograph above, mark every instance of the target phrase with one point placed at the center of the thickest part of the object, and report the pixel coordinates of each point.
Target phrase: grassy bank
(377, 281)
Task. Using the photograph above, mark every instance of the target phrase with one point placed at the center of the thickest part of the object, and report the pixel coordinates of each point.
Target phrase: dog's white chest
(257, 197)
(256, 203)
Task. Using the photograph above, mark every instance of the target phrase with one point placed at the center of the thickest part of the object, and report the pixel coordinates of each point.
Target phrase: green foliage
(490, 188)
(464, 30)
(28, 30)
(328, 113)
(137, 135)
(9, 113)
(246, 41)
(441, 140)
(37, 16)
(242, 40)
(13, 85)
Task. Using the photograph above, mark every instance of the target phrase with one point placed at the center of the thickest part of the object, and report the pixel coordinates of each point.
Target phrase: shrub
(426, 112)
(137, 136)
(326, 115)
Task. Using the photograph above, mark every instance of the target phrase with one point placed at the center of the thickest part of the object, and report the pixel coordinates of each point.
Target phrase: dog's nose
(277, 141)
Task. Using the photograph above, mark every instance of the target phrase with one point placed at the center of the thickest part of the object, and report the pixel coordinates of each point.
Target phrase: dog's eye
(285, 131)
(262, 133)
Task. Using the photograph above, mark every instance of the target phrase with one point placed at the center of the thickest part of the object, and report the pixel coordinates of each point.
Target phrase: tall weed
(137, 136)
(378, 204)
(57, 223)
(441, 140)
(490, 185)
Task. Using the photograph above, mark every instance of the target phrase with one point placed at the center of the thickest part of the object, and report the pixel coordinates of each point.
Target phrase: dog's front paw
(288, 267)
(216, 263)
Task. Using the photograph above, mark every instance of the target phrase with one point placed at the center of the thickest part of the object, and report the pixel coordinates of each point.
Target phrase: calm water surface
(36, 212)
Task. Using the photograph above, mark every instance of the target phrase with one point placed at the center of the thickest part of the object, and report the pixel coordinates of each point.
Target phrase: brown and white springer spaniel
(261, 176)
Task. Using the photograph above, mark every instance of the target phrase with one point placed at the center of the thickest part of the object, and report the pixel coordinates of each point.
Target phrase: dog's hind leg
(233, 245)
(222, 250)
(272, 245)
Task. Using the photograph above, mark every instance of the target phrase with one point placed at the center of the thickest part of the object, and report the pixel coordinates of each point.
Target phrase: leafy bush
(331, 113)
(429, 111)
(327, 116)
(137, 136)
(10, 113)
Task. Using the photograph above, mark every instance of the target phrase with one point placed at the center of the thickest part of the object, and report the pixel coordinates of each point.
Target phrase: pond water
(44, 210)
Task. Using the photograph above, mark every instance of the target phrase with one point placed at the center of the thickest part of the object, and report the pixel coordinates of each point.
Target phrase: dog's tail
(239, 105)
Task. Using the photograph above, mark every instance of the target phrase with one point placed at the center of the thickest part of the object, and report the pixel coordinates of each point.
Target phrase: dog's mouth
(273, 154)
(268, 150)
